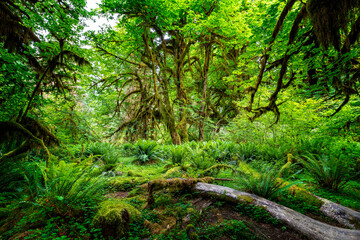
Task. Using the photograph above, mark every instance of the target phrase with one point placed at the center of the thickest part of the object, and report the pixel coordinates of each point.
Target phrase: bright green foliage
(222, 151)
(107, 153)
(114, 217)
(69, 184)
(146, 152)
(16, 81)
(265, 184)
(178, 154)
(198, 157)
(257, 213)
(174, 71)
(232, 228)
(329, 171)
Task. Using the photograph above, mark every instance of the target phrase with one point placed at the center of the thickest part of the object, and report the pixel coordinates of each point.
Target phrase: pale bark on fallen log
(344, 215)
(299, 222)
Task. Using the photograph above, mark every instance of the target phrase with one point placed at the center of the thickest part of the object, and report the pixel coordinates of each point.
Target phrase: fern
(329, 171)
(264, 184)
(146, 152)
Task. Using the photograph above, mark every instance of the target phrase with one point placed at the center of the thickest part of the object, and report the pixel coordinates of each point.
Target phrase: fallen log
(344, 215)
(299, 222)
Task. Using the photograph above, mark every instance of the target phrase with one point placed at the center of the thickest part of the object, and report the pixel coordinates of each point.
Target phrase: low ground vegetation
(73, 197)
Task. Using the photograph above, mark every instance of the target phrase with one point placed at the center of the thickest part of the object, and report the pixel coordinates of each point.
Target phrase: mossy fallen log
(297, 221)
(171, 184)
(344, 215)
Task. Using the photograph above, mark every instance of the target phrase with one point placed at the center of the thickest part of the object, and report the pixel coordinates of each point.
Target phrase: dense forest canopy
(219, 84)
(181, 67)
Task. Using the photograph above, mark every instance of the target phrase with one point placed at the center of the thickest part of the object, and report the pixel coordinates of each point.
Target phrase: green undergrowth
(47, 199)
(257, 213)
(349, 196)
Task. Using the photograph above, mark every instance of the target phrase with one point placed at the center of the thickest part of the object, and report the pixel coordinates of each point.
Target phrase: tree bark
(299, 222)
(205, 81)
(341, 214)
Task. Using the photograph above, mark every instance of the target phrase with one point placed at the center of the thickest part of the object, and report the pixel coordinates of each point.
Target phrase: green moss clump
(174, 172)
(127, 183)
(246, 199)
(215, 169)
(191, 232)
(114, 216)
(133, 174)
(173, 184)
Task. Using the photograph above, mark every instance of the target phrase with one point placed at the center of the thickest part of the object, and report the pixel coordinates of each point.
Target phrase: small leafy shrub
(41, 223)
(273, 152)
(264, 184)
(313, 145)
(127, 149)
(329, 171)
(257, 213)
(146, 152)
(105, 152)
(233, 229)
(222, 151)
(299, 204)
(247, 151)
(66, 185)
(200, 159)
(348, 196)
(178, 154)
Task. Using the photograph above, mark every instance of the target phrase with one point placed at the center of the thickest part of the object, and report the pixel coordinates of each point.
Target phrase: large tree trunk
(168, 115)
(299, 222)
(205, 82)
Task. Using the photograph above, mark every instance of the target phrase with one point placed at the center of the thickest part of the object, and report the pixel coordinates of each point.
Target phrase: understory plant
(146, 152)
(107, 153)
(222, 151)
(329, 171)
(178, 154)
(265, 183)
(198, 157)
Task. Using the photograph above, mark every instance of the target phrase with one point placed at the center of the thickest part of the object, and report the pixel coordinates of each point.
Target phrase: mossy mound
(127, 183)
(114, 216)
(175, 172)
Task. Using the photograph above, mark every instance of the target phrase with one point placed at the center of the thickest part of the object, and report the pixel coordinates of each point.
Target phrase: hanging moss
(32, 134)
(114, 217)
(330, 17)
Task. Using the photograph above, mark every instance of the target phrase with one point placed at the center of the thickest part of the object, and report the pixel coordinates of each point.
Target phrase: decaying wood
(345, 216)
(171, 184)
(299, 222)
(342, 214)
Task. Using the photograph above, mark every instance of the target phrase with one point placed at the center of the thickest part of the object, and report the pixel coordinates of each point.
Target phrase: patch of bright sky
(97, 22)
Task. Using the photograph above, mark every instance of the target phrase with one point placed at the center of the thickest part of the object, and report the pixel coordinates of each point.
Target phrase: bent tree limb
(299, 222)
(9, 129)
